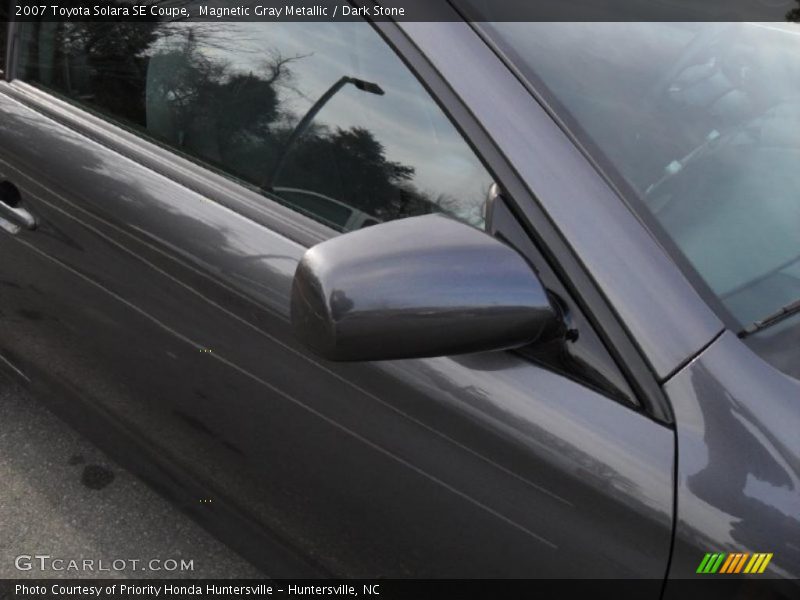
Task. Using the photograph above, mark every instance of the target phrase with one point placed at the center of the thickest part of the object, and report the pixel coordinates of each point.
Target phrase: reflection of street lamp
(302, 126)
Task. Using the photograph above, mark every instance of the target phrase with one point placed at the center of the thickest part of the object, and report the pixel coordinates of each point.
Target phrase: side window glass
(3, 34)
(322, 117)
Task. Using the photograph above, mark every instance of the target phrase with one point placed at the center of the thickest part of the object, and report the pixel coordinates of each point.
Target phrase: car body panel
(738, 460)
(165, 314)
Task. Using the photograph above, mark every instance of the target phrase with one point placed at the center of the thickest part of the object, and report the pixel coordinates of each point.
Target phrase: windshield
(699, 123)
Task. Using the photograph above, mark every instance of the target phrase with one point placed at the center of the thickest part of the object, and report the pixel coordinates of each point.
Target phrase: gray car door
(153, 294)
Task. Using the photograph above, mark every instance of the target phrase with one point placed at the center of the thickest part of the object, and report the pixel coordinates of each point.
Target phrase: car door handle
(10, 210)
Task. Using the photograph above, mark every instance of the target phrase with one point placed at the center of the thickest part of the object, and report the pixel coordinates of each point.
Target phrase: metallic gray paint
(738, 425)
(417, 287)
(482, 465)
(664, 314)
(161, 319)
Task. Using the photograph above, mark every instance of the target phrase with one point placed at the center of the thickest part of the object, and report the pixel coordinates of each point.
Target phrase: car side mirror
(414, 288)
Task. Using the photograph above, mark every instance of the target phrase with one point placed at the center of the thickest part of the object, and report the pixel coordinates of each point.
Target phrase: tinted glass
(322, 117)
(701, 123)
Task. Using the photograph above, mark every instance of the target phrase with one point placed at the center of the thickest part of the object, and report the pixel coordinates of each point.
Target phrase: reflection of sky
(405, 120)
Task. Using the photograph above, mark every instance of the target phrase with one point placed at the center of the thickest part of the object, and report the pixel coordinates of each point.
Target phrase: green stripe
(710, 563)
(701, 568)
(713, 569)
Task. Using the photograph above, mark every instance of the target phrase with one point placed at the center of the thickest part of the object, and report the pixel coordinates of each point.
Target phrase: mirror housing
(417, 287)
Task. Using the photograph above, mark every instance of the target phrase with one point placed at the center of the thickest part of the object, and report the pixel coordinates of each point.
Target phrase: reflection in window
(3, 35)
(321, 117)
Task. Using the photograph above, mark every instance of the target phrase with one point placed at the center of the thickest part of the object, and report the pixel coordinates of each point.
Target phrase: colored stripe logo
(736, 562)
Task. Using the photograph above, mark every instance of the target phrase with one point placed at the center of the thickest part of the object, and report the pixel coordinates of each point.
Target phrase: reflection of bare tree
(352, 164)
(203, 97)
(178, 82)
(105, 58)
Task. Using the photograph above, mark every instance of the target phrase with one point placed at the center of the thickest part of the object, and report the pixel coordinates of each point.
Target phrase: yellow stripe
(751, 564)
(728, 561)
(754, 567)
(741, 563)
(765, 563)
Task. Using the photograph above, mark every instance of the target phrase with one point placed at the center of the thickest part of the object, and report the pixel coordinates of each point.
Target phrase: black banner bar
(401, 10)
(711, 588)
